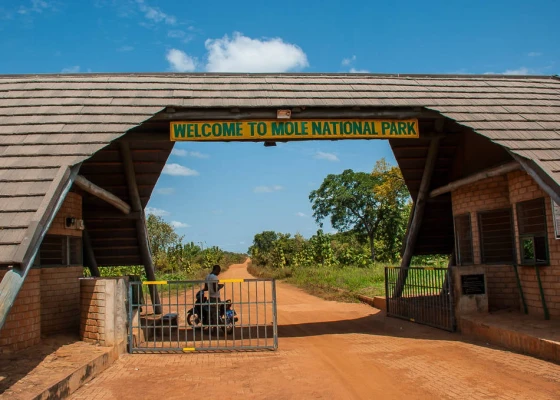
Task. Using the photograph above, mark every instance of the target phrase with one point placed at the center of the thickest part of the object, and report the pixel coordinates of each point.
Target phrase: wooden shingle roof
(52, 121)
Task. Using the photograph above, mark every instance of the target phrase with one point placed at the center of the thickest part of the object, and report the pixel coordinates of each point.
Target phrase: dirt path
(331, 350)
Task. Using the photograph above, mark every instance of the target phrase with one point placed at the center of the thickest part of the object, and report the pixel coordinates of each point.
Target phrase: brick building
(85, 151)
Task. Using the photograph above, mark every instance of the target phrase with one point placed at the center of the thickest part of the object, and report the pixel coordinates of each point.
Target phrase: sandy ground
(332, 350)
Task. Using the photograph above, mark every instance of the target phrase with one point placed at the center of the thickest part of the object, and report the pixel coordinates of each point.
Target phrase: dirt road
(331, 350)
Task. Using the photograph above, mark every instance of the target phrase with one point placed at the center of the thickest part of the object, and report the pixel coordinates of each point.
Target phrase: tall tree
(361, 202)
(162, 236)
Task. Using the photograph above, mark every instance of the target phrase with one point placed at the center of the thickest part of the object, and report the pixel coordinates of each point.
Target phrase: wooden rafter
(487, 173)
(101, 193)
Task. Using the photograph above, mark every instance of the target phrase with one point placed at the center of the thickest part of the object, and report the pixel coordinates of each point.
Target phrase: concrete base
(54, 369)
(517, 332)
(469, 303)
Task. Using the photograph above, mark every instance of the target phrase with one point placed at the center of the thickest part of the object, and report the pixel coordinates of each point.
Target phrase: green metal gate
(244, 319)
(422, 295)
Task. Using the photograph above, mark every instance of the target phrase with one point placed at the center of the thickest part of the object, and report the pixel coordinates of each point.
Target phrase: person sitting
(213, 287)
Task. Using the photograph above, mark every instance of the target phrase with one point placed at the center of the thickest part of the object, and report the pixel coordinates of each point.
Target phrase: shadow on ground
(17, 365)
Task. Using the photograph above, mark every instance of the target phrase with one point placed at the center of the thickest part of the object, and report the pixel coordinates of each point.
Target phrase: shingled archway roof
(50, 122)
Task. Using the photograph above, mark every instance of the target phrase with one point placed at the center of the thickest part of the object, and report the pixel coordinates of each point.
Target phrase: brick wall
(488, 194)
(501, 192)
(523, 187)
(60, 299)
(103, 311)
(72, 207)
(503, 292)
(23, 325)
(92, 310)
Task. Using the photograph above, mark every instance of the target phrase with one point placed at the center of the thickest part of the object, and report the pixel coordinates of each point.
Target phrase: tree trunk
(371, 247)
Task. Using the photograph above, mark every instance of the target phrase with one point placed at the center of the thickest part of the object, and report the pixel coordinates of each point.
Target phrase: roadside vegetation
(175, 259)
(370, 213)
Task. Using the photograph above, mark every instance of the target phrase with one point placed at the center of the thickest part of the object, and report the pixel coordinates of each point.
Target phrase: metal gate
(182, 319)
(422, 295)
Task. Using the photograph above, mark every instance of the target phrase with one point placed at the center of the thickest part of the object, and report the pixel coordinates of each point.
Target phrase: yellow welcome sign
(293, 130)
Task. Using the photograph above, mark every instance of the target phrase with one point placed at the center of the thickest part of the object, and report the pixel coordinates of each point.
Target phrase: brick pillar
(103, 311)
(23, 325)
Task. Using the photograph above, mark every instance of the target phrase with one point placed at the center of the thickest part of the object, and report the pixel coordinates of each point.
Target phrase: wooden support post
(488, 173)
(89, 256)
(419, 206)
(143, 240)
(14, 278)
(103, 194)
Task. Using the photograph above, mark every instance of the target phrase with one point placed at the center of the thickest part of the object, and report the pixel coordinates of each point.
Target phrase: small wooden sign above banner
(293, 130)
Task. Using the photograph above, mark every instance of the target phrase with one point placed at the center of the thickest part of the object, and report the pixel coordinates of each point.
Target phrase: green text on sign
(293, 130)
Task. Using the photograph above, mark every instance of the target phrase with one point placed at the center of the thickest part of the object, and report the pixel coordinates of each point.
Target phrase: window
(463, 239)
(533, 239)
(53, 250)
(61, 250)
(496, 237)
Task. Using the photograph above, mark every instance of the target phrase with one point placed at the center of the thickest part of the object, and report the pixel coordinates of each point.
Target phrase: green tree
(163, 239)
(368, 204)
(396, 203)
(263, 245)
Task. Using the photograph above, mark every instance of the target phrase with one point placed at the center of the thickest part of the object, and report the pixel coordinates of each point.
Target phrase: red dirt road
(332, 350)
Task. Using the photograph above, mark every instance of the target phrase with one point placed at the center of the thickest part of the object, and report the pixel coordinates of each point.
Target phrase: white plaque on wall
(556, 218)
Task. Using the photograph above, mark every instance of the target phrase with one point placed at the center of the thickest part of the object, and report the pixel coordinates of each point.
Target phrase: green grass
(327, 282)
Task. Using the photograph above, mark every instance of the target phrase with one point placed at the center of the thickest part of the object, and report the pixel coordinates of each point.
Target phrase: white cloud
(358, 71)
(320, 155)
(155, 14)
(125, 48)
(267, 189)
(179, 61)
(156, 211)
(165, 191)
(348, 61)
(518, 71)
(179, 152)
(300, 214)
(37, 6)
(243, 54)
(71, 70)
(197, 154)
(534, 54)
(178, 170)
(177, 224)
(184, 153)
(241, 242)
(180, 35)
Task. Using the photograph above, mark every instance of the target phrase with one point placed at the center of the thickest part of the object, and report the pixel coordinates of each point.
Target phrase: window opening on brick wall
(463, 239)
(57, 250)
(533, 238)
(496, 237)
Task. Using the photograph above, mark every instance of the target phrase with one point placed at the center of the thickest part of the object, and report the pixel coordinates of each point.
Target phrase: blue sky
(224, 193)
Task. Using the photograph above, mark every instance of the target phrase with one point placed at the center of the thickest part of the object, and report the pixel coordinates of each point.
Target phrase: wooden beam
(29, 248)
(419, 206)
(143, 239)
(100, 216)
(103, 194)
(487, 173)
(89, 256)
(310, 112)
